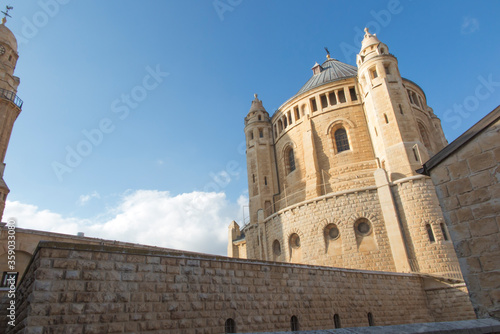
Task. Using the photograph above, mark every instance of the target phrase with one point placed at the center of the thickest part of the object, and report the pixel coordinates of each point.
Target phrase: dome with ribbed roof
(7, 37)
(331, 70)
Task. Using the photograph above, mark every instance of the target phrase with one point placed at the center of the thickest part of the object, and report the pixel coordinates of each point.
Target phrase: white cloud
(469, 25)
(194, 221)
(85, 198)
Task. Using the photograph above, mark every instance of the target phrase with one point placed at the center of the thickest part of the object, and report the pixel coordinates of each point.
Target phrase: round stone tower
(10, 104)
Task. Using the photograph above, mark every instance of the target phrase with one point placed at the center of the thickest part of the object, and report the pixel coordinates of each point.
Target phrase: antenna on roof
(327, 53)
(6, 13)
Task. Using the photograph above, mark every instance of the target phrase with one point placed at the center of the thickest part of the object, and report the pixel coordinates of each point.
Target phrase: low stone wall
(101, 289)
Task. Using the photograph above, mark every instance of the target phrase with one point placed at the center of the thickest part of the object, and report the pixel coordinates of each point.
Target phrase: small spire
(255, 95)
(6, 13)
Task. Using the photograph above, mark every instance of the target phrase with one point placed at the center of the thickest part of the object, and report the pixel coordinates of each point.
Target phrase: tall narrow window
(443, 230)
(260, 118)
(285, 122)
(230, 326)
(291, 160)
(333, 98)
(336, 321)
(253, 178)
(297, 113)
(400, 109)
(341, 95)
(341, 140)
(294, 324)
(370, 319)
(314, 107)
(324, 102)
(251, 135)
(387, 69)
(265, 180)
(289, 118)
(261, 133)
(386, 119)
(374, 73)
(428, 227)
(424, 135)
(415, 153)
(352, 92)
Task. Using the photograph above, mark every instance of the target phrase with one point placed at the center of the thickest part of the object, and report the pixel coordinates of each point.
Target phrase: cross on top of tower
(7, 8)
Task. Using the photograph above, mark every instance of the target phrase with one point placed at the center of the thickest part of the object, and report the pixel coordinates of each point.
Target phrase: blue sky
(168, 83)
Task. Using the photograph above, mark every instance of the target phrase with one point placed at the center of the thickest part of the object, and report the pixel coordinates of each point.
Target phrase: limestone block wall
(449, 302)
(100, 289)
(468, 186)
(311, 220)
(418, 207)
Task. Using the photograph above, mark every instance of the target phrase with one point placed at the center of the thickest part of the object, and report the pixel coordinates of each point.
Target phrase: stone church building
(332, 174)
(343, 232)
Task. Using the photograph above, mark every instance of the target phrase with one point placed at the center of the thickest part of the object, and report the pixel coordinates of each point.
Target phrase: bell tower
(392, 125)
(10, 104)
(260, 160)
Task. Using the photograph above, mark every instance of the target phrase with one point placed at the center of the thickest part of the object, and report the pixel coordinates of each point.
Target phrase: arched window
(294, 324)
(370, 319)
(230, 326)
(294, 241)
(341, 140)
(430, 233)
(336, 321)
(291, 160)
(424, 135)
(276, 248)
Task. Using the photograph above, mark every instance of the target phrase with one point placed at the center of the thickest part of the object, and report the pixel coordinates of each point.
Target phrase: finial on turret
(255, 95)
(6, 13)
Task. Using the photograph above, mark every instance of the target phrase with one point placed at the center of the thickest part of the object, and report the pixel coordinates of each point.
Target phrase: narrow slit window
(374, 73)
(251, 135)
(370, 319)
(261, 133)
(294, 324)
(386, 119)
(291, 160)
(297, 113)
(332, 98)
(352, 92)
(289, 118)
(428, 227)
(265, 180)
(387, 69)
(400, 109)
(336, 321)
(341, 95)
(415, 154)
(253, 178)
(260, 118)
(445, 233)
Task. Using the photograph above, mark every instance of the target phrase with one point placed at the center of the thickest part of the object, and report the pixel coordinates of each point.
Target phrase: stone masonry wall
(349, 250)
(468, 186)
(450, 302)
(418, 206)
(101, 289)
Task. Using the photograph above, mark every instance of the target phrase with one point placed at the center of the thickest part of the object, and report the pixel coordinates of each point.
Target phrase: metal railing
(11, 96)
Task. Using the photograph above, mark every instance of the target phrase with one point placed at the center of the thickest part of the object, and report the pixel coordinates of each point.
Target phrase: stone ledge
(480, 326)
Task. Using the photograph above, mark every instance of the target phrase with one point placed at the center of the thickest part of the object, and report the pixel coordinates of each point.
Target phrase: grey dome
(332, 70)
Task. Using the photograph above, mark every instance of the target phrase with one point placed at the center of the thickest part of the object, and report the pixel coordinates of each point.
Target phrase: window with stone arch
(294, 241)
(341, 140)
(276, 248)
(230, 326)
(363, 227)
(424, 135)
(289, 160)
